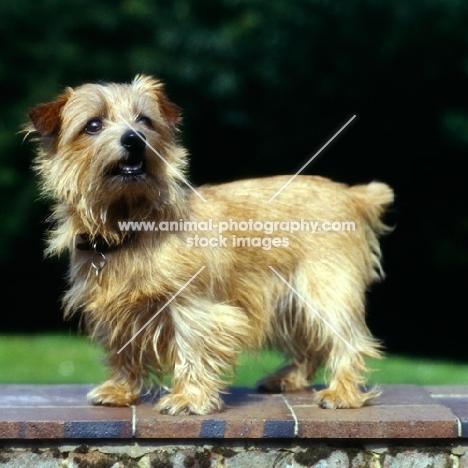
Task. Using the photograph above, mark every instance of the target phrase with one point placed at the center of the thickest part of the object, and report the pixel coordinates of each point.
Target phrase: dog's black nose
(134, 142)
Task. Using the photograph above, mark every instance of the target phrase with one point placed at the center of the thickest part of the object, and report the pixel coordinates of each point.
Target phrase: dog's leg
(327, 325)
(123, 388)
(114, 392)
(346, 367)
(289, 378)
(344, 391)
(336, 338)
(196, 390)
(205, 346)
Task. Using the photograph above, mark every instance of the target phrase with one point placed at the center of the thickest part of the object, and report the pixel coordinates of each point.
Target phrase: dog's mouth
(125, 168)
(129, 168)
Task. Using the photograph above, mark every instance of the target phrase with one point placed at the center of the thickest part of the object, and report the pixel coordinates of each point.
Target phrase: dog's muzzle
(134, 161)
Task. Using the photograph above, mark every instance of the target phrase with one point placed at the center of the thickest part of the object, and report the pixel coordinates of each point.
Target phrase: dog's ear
(46, 117)
(170, 112)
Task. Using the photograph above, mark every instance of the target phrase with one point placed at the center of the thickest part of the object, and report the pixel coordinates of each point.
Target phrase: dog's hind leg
(293, 332)
(346, 386)
(347, 346)
(290, 377)
(321, 324)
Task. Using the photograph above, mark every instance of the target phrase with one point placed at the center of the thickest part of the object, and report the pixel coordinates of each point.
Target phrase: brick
(402, 412)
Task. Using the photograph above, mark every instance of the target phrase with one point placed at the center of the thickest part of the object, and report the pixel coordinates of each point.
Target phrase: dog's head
(110, 149)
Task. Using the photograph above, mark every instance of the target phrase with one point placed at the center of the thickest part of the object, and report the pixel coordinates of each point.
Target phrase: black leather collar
(100, 245)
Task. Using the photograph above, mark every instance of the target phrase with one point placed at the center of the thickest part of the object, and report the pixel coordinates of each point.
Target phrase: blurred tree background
(263, 85)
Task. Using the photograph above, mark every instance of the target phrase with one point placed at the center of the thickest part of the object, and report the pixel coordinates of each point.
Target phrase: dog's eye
(145, 121)
(93, 126)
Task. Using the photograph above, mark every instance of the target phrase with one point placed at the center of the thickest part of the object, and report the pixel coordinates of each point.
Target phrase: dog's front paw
(112, 393)
(177, 404)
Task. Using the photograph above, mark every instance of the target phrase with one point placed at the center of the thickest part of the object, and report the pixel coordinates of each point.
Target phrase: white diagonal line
(313, 309)
(189, 185)
(161, 309)
(312, 158)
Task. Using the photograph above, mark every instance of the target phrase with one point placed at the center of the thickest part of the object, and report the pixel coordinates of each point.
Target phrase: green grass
(70, 359)
(49, 359)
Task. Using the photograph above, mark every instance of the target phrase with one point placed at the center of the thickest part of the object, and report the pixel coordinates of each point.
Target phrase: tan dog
(161, 297)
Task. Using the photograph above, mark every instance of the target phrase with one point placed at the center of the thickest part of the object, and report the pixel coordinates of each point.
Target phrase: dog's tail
(373, 200)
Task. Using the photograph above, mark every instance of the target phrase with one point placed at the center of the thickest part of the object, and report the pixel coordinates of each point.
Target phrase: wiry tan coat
(305, 297)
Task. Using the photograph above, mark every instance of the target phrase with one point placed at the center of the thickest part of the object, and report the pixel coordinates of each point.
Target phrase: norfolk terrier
(173, 279)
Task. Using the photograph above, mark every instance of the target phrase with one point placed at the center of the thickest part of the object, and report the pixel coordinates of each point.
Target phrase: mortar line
(293, 414)
(453, 395)
(459, 426)
(133, 420)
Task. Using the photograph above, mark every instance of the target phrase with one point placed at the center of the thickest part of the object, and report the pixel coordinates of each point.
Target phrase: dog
(166, 299)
